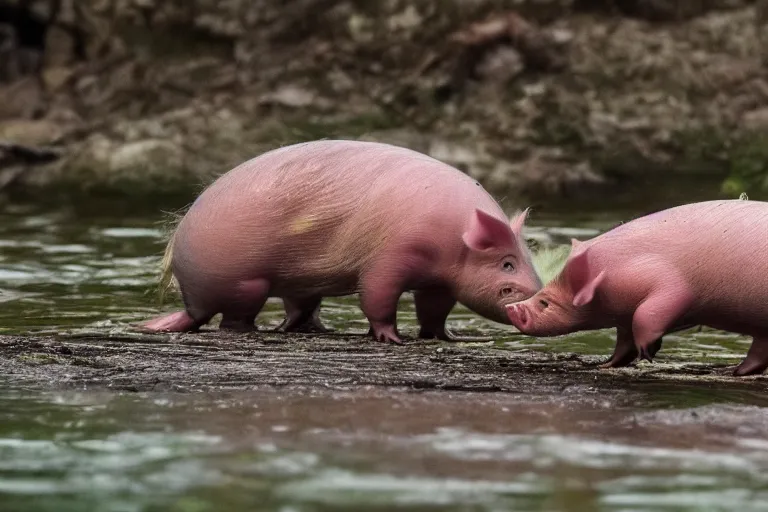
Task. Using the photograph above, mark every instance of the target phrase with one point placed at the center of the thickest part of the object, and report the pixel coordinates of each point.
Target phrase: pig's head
(497, 270)
(565, 305)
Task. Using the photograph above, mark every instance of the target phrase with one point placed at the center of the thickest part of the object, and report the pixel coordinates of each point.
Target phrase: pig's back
(719, 247)
(728, 229)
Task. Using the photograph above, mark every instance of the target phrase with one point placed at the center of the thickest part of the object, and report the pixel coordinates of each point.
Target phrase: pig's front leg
(626, 351)
(661, 310)
(433, 305)
(389, 276)
(757, 358)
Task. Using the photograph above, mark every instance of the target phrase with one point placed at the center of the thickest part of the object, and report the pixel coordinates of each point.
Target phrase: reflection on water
(645, 447)
(300, 449)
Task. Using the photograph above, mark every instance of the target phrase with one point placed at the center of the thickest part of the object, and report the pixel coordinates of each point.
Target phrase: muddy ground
(215, 360)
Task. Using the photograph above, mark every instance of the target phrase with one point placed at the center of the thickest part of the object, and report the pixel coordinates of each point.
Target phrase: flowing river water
(660, 446)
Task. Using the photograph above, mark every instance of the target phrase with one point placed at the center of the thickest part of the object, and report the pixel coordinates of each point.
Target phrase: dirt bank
(214, 360)
(539, 97)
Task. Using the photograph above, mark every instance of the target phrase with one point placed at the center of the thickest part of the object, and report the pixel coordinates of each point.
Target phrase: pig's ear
(587, 292)
(575, 244)
(582, 280)
(518, 221)
(486, 231)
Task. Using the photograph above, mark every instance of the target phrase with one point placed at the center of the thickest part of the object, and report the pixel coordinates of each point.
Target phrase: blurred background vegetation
(550, 100)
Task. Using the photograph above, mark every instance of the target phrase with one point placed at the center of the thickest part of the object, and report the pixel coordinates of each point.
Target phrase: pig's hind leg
(757, 358)
(239, 312)
(302, 315)
(191, 319)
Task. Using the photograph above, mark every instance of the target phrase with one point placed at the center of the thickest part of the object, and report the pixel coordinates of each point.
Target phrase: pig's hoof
(240, 328)
(645, 355)
(446, 335)
(390, 339)
(237, 324)
(433, 334)
(175, 322)
(307, 328)
(619, 359)
(748, 368)
(387, 335)
(611, 363)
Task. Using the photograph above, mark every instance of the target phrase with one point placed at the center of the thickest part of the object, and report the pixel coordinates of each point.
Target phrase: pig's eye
(508, 266)
(544, 303)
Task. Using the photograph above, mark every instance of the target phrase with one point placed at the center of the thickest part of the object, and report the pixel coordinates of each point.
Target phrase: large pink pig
(331, 218)
(697, 264)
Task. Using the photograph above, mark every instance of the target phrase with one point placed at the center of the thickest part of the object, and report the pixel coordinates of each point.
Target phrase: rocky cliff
(533, 97)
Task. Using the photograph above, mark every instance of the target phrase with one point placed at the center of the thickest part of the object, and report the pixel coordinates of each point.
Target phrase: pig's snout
(518, 315)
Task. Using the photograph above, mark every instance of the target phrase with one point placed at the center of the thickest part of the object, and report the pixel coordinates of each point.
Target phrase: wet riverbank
(215, 360)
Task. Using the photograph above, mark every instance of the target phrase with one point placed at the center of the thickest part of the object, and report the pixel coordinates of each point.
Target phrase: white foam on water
(131, 233)
(333, 486)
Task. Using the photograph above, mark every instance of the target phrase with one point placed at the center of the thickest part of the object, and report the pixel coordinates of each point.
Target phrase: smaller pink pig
(697, 264)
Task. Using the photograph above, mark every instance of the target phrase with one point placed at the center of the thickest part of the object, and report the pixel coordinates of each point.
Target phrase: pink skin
(332, 218)
(696, 264)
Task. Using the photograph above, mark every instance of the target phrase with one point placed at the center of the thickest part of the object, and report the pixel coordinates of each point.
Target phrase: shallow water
(646, 447)
(301, 449)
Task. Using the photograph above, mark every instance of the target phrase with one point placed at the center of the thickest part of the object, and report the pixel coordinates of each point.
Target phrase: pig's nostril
(506, 291)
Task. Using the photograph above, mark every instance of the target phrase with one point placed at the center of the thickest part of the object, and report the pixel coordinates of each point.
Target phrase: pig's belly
(223, 287)
(736, 311)
(308, 285)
